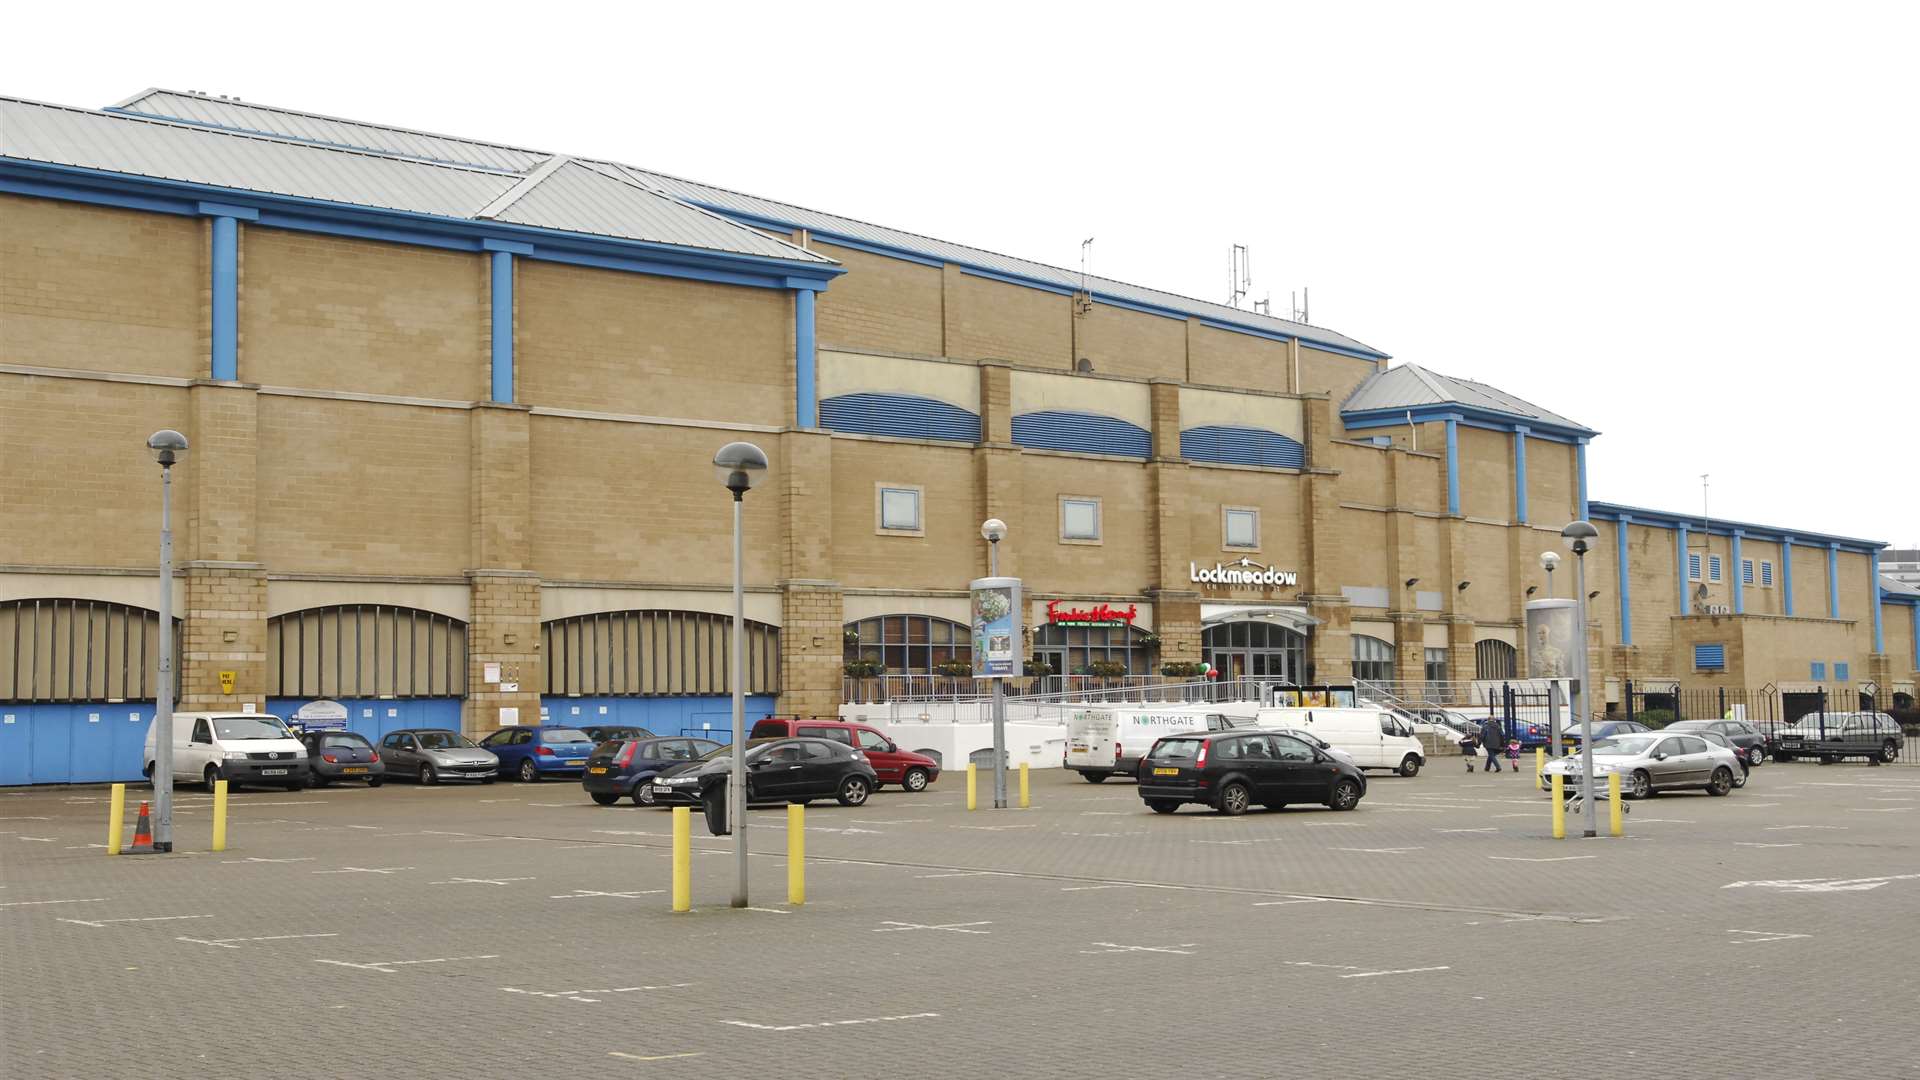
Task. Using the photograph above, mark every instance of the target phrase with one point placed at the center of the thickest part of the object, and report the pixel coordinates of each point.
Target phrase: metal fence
(1064, 689)
(1812, 707)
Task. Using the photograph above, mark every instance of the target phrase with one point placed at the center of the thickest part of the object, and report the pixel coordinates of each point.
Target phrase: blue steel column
(806, 402)
(1453, 465)
(1520, 474)
(1739, 578)
(1580, 454)
(1913, 616)
(226, 299)
(1833, 581)
(1873, 595)
(1680, 550)
(502, 326)
(1786, 572)
(1626, 592)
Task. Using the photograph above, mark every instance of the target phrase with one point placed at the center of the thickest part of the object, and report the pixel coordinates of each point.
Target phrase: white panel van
(1376, 738)
(252, 748)
(1108, 740)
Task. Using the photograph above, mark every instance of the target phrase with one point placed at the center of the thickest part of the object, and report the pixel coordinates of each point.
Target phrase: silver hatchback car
(431, 755)
(1652, 761)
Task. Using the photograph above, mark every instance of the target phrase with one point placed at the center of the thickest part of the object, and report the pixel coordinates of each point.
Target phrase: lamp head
(740, 466)
(168, 447)
(1462, 587)
(1593, 594)
(1412, 581)
(993, 530)
(1578, 534)
(1549, 560)
(1531, 589)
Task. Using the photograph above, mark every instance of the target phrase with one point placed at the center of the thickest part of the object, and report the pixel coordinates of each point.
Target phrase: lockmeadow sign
(1243, 573)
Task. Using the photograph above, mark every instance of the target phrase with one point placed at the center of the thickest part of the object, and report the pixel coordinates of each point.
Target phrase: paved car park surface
(514, 930)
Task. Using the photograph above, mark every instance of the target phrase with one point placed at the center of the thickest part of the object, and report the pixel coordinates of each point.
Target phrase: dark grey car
(430, 755)
(342, 755)
(1745, 739)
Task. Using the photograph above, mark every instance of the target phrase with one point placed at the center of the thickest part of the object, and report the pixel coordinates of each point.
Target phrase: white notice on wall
(490, 673)
(246, 706)
(509, 687)
(93, 718)
(509, 715)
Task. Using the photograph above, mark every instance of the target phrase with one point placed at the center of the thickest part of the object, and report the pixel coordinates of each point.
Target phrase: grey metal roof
(248, 116)
(589, 200)
(1410, 386)
(1897, 587)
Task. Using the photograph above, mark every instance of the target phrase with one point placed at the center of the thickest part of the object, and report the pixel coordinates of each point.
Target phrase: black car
(622, 766)
(342, 755)
(1874, 736)
(1745, 739)
(778, 771)
(1232, 770)
(600, 733)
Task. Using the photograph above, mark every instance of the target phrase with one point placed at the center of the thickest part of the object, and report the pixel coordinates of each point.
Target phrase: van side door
(200, 751)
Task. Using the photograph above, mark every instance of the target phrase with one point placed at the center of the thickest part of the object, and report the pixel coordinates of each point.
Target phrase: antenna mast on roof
(1239, 274)
(1083, 301)
(1300, 302)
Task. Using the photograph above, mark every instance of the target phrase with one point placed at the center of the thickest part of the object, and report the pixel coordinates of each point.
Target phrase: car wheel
(1346, 795)
(914, 780)
(320, 781)
(428, 776)
(1162, 806)
(605, 798)
(1234, 799)
(296, 785)
(529, 772)
(213, 777)
(148, 773)
(1722, 781)
(1889, 753)
(375, 781)
(1641, 785)
(854, 791)
(1410, 766)
(1095, 777)
(643, 795)
(1755, 755)
(1740, 781)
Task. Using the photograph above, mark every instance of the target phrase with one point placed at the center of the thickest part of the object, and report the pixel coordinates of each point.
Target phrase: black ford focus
(1234, 770)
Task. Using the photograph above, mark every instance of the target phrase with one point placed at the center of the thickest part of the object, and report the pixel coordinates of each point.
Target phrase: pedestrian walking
(1513, 754)
(1469, 749)
(1492, 739)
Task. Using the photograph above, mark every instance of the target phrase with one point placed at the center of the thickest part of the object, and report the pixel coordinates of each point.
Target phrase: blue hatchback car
(532, 753)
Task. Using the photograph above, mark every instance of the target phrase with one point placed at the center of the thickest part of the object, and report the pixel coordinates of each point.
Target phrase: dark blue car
(623, 766)
(532, 753)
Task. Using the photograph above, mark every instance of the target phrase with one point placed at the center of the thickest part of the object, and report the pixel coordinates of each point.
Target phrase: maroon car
(893, 765)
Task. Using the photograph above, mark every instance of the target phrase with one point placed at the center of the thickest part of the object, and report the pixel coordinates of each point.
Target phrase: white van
(1376, 738)
(1104, 740)
(240, 748)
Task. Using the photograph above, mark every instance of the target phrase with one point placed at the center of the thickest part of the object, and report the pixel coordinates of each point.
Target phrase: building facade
(452, 407)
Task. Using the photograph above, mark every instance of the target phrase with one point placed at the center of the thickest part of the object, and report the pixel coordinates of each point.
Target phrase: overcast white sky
(1693, 227)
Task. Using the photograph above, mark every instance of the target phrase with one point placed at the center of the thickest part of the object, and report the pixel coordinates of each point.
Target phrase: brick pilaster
(505, 630)
(811, 650)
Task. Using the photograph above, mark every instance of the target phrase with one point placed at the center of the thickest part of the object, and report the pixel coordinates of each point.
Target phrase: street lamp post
(168, 447)
(993, 530)
(1579, 535)
(739, 465)
(1548, 561)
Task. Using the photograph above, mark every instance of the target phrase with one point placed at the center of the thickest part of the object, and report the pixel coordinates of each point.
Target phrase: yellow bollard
(1540, 767)
(972, 773)
(683, 858)
(1559, 807)
(796, 853)
(1026, 798)
(219, 815)
(116, 818)
(1614, 809)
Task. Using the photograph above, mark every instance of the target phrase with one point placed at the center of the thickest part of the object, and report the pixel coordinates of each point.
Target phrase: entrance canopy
(1293, 617)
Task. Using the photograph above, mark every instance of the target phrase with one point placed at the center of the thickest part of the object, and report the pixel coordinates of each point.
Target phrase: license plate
(353, 772)
(273, 772)
(596, 770)
(1166, 772)
(577, 761)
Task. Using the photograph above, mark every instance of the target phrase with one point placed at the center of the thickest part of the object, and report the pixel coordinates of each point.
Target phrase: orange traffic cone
(142, 835)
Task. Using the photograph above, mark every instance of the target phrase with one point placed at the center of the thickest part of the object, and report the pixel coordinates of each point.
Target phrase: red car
(893, 765)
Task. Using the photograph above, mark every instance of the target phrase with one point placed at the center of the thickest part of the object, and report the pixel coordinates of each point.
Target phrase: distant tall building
(1902, 565)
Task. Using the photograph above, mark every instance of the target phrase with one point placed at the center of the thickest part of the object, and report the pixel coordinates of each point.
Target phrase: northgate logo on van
(1243, 572)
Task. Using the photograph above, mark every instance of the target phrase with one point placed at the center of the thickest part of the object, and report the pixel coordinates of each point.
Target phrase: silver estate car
(430, 755)
(1653, 761)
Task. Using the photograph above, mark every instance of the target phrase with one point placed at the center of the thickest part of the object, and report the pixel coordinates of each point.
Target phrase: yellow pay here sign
(227, 679)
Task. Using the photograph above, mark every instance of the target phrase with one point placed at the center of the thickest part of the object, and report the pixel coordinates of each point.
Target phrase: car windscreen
(768, 729)
(755, 747)
(563, 735)
(1624, 745)
(443, 740)
(248, 727)
(1176, 749)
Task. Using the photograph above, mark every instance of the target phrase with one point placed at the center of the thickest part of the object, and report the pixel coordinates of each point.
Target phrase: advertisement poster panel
(997, 642)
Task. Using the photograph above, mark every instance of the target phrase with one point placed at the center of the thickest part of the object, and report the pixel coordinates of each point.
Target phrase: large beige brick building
(452, 406)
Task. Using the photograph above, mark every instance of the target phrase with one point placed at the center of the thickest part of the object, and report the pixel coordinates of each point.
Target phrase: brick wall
(1224, 358)
(505, 630)
(1486, 473)
(950, 512)
(880, 304)
(811, 653)
(1121, 342)
(225, 629)
(991, 319)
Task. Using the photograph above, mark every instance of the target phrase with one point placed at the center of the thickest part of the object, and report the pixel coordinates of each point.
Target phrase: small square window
(1693, 567)
(1746, 571)
(1079, 520)
(1819, 670)
(1713, 568)
(898, 509)
(1839, 671)
(1241, 527)
(1766, 575)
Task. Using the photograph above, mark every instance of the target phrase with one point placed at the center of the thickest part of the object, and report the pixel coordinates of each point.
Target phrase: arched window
(1070, 650)
(56, 649)
(1495, 660)
(1254, 649)
(366, 650)
(639, 653)
(909, 644)
(1372, 659)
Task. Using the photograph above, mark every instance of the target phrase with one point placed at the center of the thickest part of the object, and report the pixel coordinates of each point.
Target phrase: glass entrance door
(1257, 650)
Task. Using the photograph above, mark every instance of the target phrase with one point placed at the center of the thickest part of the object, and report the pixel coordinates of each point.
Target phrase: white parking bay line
(830, 1023)
(581, 995)
(890, 926)
(1553, 858)
(479, 881)
(1488, 828)
(652, 1057)
(237, 942)
(1183, 949)
(1380, 850)
(37, 903)
(149, 918)
(1761, 937)
(386, 967)
(365, 870)
(1399, 971)
(1755, 843)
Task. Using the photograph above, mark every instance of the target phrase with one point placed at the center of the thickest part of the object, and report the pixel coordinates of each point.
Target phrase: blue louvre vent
(1709, 657)
(903, 415)
(1242, 446)
(1083, 432)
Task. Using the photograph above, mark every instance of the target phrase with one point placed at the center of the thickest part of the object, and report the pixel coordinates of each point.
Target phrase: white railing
(1054, 688)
